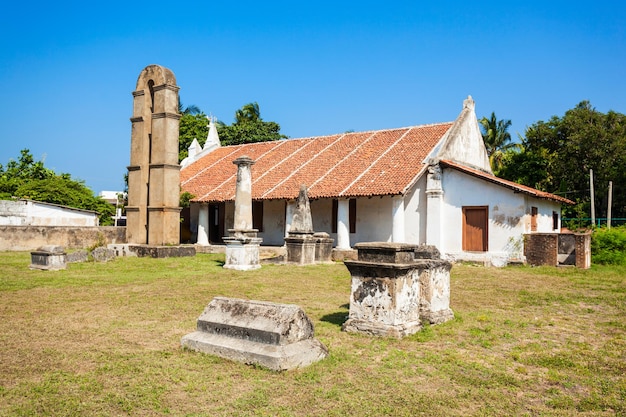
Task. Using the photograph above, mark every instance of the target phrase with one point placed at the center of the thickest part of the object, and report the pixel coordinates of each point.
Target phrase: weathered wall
(542, 249)
(415, 213)
(34, 213)
(273, 223)
(509, 214)
(27, 238)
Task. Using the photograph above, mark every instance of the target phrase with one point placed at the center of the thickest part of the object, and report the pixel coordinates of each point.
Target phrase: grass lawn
(104, 339)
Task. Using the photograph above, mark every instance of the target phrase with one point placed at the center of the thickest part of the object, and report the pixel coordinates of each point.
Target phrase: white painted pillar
(397, 218)
(291, 206)
(343, 224)
(434, 207)
(203, 225)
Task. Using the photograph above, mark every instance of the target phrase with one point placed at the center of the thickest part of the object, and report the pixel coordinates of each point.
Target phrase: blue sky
(67, 69)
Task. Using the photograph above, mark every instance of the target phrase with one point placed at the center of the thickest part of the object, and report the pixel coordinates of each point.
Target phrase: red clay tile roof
(383, 162)
(505, 183)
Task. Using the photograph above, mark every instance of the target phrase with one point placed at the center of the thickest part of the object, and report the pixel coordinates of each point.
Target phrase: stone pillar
(242, 243)
(153, 212)
(397, 216)
(434, 207)
(343, 224)
(203, 225)
(243, 194)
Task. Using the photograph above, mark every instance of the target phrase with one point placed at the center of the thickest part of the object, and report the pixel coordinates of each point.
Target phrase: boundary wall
(29, 238)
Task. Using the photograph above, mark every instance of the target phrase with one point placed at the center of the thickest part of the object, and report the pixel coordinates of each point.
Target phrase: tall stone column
(203, 225)
(343, 224)
(397, 216)
(242, 243)
(153, 212)
(243, 194)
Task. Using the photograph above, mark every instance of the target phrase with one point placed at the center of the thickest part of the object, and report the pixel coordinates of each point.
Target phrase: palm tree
(497, 139)
(249, 113)
(192, 109)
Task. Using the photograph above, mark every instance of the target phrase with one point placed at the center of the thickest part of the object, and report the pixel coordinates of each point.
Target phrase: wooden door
(475, 236)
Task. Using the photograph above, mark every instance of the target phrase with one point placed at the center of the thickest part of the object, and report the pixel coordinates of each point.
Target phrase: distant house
(116, 198)
(36, 213)
(428, 184)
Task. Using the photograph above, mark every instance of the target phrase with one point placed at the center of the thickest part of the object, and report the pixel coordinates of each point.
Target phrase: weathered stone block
(393, 293)
(276, 336)
(162, 251)
(386, 252)
(78, 256)
(49, 258)
(101, 254)
(323, 247)
(300, 248)
(242, 252)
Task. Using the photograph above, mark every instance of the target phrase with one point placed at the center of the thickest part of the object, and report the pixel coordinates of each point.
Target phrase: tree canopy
(248, 127)
(30, 179)
(497, 140)
(556, 156)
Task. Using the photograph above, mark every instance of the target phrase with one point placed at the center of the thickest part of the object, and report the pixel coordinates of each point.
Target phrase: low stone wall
(29, 238)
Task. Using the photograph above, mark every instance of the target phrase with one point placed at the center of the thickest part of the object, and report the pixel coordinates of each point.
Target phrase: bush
(608, 246)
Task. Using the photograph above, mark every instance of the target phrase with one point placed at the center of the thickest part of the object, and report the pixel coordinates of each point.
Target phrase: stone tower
(153, 210)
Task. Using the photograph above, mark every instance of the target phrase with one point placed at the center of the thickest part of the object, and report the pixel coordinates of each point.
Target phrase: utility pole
(608, 220)
(593, 204)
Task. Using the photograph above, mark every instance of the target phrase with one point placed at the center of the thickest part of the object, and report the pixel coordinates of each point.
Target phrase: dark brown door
(475, 234)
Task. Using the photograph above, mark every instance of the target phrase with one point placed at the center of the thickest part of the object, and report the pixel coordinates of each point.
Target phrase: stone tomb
(304, 246)
(276, 336)
(396, 287)
(49, 258)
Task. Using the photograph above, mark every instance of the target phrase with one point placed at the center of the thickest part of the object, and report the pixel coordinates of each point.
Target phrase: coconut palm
(249, 112)
(497, 139)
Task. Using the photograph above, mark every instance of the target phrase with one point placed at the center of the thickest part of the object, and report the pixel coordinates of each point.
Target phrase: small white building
(429, 184)
(24, 212)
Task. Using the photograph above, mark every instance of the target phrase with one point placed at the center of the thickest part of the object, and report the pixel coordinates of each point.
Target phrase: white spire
(212, 140)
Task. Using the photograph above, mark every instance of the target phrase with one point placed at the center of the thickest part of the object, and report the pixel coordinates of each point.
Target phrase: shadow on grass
(337, 318)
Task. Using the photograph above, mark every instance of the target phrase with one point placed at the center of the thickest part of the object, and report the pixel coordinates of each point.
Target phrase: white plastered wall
(415, 213)
(508, 213)
(273, 233)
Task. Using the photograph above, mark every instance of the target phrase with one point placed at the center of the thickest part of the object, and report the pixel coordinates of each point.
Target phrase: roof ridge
(303, 165)
(376, 160)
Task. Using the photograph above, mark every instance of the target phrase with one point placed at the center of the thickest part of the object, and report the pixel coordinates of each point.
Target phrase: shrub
(608, 246)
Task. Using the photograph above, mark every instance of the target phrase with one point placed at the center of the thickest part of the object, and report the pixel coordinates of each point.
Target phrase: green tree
(563, 150)
(192, 126)
(27, 178)
(497, 140)
(248, 127)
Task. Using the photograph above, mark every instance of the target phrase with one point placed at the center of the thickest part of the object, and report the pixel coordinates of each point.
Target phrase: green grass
(104, 339)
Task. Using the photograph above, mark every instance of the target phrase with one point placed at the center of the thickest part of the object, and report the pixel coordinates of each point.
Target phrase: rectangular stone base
(162, 251)
(274, 357)
(380, 329)
(242, 253)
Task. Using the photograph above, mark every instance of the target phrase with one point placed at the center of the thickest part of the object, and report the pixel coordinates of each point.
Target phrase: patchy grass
(104, 339)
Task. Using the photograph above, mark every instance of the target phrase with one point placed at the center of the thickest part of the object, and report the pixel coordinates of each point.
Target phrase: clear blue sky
(67, 69)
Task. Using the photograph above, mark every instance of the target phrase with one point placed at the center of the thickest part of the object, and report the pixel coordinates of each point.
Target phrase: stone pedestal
(393, 292)
(276, 336)
(323, 247)
(242, 250)
(49, 258)
(300, 248)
